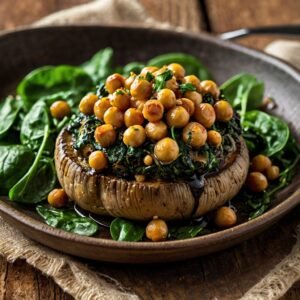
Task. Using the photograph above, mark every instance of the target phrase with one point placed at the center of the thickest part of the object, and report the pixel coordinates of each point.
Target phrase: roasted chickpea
(194, 96)
(214, 138)
(60, 109)
(100, 107)
(205, 114)
(156, 130)
(129, 80)
(87, 150)
(194, 134)
(172, 84)
(114, 117)
(167, 98)
(209, 87)
(153, 111)
(105, 135)
(148, 69)
(148, 160)
(260, 163)
(134, 136)
(188, 105)
(166, 150)
(224, 111)
(141, 89)
(114, 82)
(177, 117)
(178, 70)
(120, 99)
(157, 230)
(194, 80)
(98, 160)
(86, 105)
(58, 198)
(272, 172)
(256, 182)
(225, 217)
(133, 116)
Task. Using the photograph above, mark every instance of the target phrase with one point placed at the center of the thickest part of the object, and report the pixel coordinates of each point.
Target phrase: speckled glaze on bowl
(22, 51)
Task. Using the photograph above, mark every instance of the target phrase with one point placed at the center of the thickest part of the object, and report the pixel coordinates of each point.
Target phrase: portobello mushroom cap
(108, 195)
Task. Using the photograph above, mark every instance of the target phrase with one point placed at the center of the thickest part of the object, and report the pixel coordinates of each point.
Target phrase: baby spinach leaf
(244, 92)
(135, 67)
(68, 220)
(33, 126)
(185, 232)
(15, 160)
(100, 65)
(9, 110)
(124, 230)
(185, 87)
(49, 80)
(273, 131)
(191, 64)
(160, 80)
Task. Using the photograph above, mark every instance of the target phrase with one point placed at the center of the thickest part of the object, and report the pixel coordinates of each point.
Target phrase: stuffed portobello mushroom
(159, 143)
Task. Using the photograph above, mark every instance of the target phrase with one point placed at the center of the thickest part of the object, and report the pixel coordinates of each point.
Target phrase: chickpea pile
(262, 171)
(141, 111)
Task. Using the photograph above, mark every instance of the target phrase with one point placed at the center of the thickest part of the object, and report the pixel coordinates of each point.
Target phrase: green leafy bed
(28, 133)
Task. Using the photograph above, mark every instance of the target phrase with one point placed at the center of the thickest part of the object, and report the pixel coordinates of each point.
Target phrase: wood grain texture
(225, 275)
(235, 14)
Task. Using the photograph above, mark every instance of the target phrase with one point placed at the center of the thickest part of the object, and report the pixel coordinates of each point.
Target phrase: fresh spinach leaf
(49, 80)
(124, 230)
(68, 220)
(185, 232)
(15, 160)
(100, 65)
(273, 131)
(9, 110)
(135, 67)
(191, 64)
(160, 80)
(185, 87)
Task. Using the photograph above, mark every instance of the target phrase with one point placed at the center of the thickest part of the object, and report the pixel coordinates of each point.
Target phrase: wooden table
(224, 275)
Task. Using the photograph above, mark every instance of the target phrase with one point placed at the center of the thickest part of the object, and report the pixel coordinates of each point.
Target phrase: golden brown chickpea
(167, 98)
(135, 103)
(224, 111)
(148, 69)
(120, 99)
(148, 160)
(205, 114)
(98, 160)
(156, 130)
(58, 198)
(194, 134)
(100, 107)
(194, 96)
(114, 82)
(86, 105)
(133, 116)
(105, 135)
(166, 150)
(177, 117)
(153, 111)
(178, 70)
(209, 87)
(134, 136)
(87, 150)
(256, 182)
(225, 217)
(157, 230)
(114, 117)
(194, 80)
(260, 163)
(60, 109)
(214, 138)
(129, 80)
(172, 84)
(141, 89)
(272, 173)
(188, 105)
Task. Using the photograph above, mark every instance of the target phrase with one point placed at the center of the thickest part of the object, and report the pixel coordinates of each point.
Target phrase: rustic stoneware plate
(23, 51)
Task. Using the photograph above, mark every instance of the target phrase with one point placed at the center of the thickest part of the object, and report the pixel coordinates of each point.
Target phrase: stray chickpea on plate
(158, 149)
